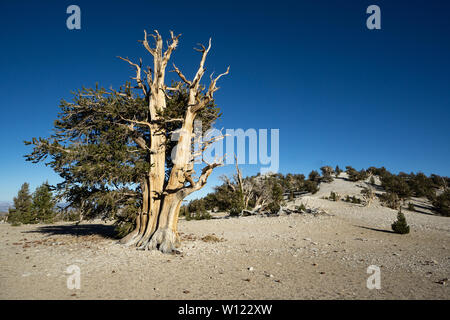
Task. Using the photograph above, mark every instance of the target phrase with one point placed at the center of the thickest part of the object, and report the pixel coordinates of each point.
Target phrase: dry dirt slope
(289, 257)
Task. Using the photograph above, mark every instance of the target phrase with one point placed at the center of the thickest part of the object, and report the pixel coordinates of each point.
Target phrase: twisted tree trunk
(156, 223)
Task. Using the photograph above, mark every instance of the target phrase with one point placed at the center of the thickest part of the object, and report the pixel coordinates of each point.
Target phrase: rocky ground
(299, 256)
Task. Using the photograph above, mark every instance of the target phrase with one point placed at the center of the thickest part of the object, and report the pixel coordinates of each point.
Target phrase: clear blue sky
(338, 92)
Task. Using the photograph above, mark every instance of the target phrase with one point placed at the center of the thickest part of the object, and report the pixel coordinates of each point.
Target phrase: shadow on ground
(102, 230)
(375, 229)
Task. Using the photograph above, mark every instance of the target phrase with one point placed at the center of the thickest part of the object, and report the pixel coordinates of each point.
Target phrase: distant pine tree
(23, 205)
(314, 176)
(441, 203)
(337, 171)
(327, 172)
(400, 226)
(44, 204)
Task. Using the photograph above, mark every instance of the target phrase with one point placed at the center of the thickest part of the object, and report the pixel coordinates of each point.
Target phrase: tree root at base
(164, 240)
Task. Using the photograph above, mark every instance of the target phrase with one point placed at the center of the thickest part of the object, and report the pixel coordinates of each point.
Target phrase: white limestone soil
(299, 256)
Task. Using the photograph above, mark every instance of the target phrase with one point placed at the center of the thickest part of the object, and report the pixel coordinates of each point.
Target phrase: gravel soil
(299, 256)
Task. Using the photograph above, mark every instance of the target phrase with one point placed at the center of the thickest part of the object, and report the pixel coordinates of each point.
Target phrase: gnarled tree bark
(156, 223)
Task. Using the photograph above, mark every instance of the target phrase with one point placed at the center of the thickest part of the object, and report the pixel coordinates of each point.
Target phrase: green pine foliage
(334, 196)
(396, 184)
(277, 199)
(352, 199)
(356, 200)
(442, 203)
(400, 226)
(196, 210)
(390, 200)
(97, 153)
(22, 213)
(314, 176)
(33, 208)
(311, 186)
(44, 204)
(354, 175)
(337, 171)
(327, 174)
(301, 207)
(270, 187)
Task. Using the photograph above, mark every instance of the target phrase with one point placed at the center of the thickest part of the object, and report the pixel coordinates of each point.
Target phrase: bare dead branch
(138, 73)
(147, 46)
(143, 123)
(170, 48)
(201, 69)
(181, 75)
(209, 94)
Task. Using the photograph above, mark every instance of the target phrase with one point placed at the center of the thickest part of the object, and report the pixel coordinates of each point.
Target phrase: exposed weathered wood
(156, 224)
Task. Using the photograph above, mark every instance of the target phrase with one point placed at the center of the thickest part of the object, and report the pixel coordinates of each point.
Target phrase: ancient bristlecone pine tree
(103, 131)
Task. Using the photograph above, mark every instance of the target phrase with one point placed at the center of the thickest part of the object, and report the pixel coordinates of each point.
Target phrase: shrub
(438, 181)
(356, 200)
(337, 171)
(334, 196)
(201, 216)
(273, 207)
(72, 215)
(197, 216)
(197, 206)
(352, 199)
(196, 210)
(391, 200)
(314, 176)
(419, 184)
(327, 172)
(396, 184)
(311, 186)
(411, 207)
(363, 174)
(441, 203)
(301, 207)
(378, 171)
(235, 211)
(354, 175)
(400, 226)
(236, 204)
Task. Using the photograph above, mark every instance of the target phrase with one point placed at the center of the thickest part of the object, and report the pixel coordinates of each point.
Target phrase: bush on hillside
(337, 171)
(327, 173)
(334, 196)
(390, 200)
(354, 175)
(396, 184)
(400, 226)
(442, 203)
(311, 186)
(314, 176)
